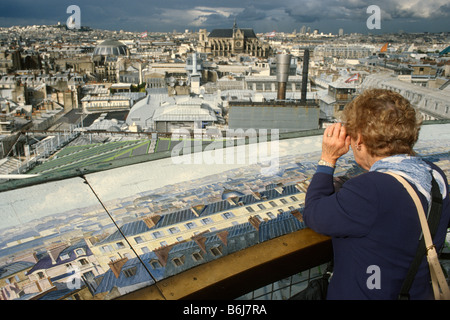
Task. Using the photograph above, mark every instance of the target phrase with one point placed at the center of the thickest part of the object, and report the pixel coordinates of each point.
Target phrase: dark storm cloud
(263, 15)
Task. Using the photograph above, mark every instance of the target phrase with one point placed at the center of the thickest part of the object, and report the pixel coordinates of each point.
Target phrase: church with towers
(230, 42)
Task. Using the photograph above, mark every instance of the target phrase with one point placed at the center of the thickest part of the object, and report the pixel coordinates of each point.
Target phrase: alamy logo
(258, 150)
(374, 21)
(74, 21)
(374, 280)
(74, 280)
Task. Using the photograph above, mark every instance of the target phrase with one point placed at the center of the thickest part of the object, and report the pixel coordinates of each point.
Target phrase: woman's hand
(335, 143)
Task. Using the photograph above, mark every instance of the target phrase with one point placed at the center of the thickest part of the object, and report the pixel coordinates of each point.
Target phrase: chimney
(55, 250)
(152, 220)
(200, 240)
(257, 195)
(163, 253)
(116, 266)
(223, 236)
(283, 64)
(255, 222)
(297, 214)
(194, 64)
(305, 76)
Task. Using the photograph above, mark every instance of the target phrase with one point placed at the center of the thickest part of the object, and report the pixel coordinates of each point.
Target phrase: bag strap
(433, 222)
(437, 276)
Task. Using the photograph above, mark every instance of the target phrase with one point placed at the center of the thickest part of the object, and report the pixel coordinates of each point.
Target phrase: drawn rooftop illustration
(101, 243)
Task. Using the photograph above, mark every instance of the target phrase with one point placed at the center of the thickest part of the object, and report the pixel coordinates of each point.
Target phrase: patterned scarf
(413, 169)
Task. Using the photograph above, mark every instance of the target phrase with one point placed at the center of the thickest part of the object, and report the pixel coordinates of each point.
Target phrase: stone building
(234, 41)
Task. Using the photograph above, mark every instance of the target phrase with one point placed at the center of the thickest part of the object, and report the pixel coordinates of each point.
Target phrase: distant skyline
(327, 16)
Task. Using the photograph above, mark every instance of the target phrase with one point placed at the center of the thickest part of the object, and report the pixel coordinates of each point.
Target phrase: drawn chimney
(116, 266)
(297, 214)
(200, 240)
(255, 222)
(223, 236)
(305, 76)
(151, 220)
(163, 254)
(283, 65)
(55, 250)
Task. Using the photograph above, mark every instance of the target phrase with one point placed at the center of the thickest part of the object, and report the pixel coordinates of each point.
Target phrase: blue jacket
(375, 231)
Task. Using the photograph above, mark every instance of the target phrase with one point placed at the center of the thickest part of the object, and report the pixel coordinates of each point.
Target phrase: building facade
(234, 41)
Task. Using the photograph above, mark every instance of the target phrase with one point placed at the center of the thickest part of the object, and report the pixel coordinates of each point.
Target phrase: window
(261, 206)
(120, 245)
(272, 203)
(130, 272)
(216, 250)
(207, 221)
(294, 198)
(107, 248)
(174, 230)
(179, 261)
(138, 240)
(228, 215)
(283, 201)
(190, 225)
(155, 264)
(197, 256)
(163, 243)
(128, 255)
(249, 209)
(80, 252)
(179, 239)
(270, 215)
(145, 250)
(65, 256)
(83, 262)
(157, 234)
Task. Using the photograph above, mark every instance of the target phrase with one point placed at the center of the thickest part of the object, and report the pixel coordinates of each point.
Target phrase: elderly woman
(372, 219)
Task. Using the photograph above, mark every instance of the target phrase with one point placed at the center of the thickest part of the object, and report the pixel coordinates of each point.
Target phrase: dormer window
(178, 261)
(197, 256)
(155, 264)
(80, 252)
(128, 273)
(64, 256)
(216, 250)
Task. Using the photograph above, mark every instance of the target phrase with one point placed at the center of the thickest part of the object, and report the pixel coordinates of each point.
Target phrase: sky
(327, 16)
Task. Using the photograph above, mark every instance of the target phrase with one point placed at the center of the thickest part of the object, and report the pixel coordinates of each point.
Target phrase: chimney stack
(283, 65)
(305, 76)
(116, 266)
(54, 251)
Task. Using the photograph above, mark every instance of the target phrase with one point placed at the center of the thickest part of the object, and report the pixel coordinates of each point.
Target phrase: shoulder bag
(439, 283)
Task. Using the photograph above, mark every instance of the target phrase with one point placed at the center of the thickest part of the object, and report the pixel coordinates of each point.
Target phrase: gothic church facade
(230, 42)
